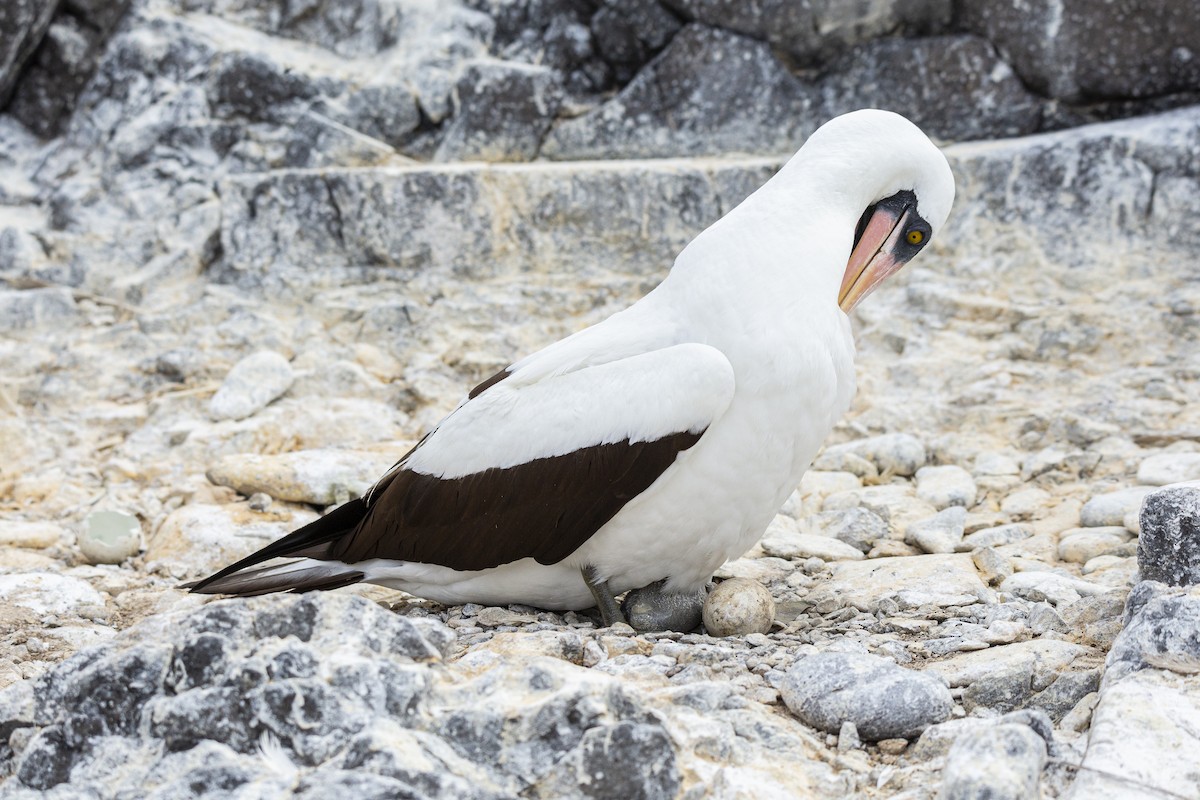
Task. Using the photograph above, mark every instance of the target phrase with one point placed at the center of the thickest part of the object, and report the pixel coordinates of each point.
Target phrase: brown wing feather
(544, 509)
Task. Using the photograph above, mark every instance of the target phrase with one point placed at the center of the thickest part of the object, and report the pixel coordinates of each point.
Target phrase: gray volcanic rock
(63, 64)
(627, 32)
(1003, 762)
(327, 689)
(883, 700)
(1076, 49)
(501, 112)
(22, 25)
(954, 87)
(710, 91)
(278, 227)
(812, 32)
(1168, 547)
(1162, 629)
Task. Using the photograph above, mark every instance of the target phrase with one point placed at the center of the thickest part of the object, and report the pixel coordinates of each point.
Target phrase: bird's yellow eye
(915, 237)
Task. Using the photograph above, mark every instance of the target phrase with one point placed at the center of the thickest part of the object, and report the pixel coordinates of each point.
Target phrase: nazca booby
(659, 443)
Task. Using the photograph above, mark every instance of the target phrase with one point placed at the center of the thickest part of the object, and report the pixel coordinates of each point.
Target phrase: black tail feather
(310, 541)
(280, 578)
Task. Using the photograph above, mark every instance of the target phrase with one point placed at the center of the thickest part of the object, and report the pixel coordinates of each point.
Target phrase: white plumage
(744, 342)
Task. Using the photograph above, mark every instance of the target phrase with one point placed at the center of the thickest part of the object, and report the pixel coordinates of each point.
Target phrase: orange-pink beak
(873, 258)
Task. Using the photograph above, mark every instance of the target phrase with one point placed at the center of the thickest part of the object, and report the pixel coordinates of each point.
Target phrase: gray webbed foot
(652, 609)
(610, 612)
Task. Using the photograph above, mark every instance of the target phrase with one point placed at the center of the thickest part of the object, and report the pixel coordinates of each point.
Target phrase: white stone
(844, 461)
(1100, 563)
(941, 533)
(201, 538)
(1112, 508)
(891, 453)
(816, 485)
(912, 581)
(895, 503)
(1049, 586)
(1026, 503)
(946, 486)
(34, 535)
(320, 477)
(48, 594)
(793, 545)
(755, 569)
(1144, 729)
(1043, 656)
(995, 537)
(1080, 545)
(1165, 468)
(253, 382)
(993, 464)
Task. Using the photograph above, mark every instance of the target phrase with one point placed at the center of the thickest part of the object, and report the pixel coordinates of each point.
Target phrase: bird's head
(879, 168)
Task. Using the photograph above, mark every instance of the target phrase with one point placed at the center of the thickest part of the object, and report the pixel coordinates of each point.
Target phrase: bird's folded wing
(534, 470)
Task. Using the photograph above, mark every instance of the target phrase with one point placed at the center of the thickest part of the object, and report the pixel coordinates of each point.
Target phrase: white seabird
(658, 444)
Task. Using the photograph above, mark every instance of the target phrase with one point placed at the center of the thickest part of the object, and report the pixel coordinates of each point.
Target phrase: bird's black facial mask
(888, 235)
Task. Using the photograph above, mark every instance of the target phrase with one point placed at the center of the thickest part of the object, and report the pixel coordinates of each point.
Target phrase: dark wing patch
(489, 383)
(544, 509)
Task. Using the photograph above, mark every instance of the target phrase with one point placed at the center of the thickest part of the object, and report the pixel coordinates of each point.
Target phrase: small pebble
(1024, 504)
(1167, 468)
(1111, 508)
(848, 738)
(33, 535)
(251, 385)
(992, 566)
(941, 533)
(110, 537)
(945, 486)
(892, 747)
(994, 537)
(1080, 545)
(738, 607)
(259, 501)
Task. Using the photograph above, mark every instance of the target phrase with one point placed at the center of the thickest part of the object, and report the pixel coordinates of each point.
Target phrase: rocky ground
(251, 254)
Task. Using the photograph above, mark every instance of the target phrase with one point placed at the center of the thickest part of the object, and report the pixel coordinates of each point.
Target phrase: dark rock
(1079, 50)
(63, 64)
(628, 32)
(1169, 542)
(501, 112)
(813, 32)
(1000, 691)
(933, 82)
(1162, 630)
(47, 759)
(1002, 762)
(22, 25)
(386, 111)
(251, 86)
(626, 761)
(883, 700)
(650, 609)
(708, 92)
(1065, 692)
(551, 33)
